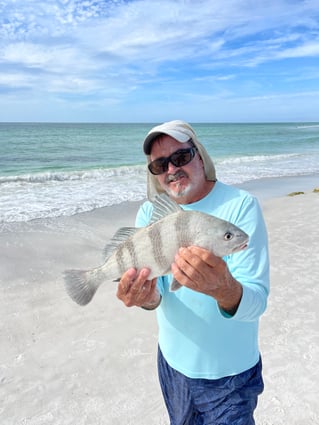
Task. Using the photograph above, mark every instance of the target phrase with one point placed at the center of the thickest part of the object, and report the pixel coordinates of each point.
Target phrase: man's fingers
(194, 253)
(134, 288)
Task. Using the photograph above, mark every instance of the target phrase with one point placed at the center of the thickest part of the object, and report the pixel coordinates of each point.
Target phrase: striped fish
(155, 246)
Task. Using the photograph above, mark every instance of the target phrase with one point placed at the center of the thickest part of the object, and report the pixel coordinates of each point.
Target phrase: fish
(155, 246)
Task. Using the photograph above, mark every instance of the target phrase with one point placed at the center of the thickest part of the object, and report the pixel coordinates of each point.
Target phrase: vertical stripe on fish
(124, 250)
(155, 235)
(182, 225)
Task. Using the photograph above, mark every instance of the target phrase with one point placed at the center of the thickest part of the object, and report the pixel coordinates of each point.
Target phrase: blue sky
(152, 61)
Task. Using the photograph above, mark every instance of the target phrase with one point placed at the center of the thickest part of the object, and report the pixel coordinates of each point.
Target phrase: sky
(157, 60)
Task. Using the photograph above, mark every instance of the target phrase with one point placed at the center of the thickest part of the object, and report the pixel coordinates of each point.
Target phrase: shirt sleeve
(250, 267)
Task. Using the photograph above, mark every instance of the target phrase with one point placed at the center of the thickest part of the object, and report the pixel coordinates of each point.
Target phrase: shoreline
(61, 363)
(274, 187)
(264, 189)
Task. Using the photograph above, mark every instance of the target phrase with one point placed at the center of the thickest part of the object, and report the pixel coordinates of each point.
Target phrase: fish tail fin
(79, 285)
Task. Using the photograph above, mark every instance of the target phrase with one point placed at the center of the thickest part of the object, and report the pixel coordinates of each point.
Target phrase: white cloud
(305, 50)
(15, 80)
(58, 58)
(112, 49)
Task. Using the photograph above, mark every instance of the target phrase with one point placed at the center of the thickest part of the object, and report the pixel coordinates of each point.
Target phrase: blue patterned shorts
(226, 401)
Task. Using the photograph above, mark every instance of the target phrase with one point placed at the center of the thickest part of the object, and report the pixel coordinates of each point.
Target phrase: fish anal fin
(175, 285)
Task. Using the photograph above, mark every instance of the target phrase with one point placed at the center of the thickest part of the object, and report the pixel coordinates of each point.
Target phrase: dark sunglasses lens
(182, 157)
(159, 166)
(178, 159)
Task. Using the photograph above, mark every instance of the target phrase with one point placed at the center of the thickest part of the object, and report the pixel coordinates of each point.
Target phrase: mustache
(173, 177)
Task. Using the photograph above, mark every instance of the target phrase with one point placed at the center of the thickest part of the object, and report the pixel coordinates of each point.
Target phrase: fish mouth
(241, 247)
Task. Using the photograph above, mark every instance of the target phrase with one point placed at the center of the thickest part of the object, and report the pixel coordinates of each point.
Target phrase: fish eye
(228, 236)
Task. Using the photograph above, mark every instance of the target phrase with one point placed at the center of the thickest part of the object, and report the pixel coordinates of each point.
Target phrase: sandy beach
(64, 364)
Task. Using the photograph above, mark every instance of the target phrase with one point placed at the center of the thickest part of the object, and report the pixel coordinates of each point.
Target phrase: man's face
(184, 184)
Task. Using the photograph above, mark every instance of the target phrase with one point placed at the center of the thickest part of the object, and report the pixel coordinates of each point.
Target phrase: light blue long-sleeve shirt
(196, 337)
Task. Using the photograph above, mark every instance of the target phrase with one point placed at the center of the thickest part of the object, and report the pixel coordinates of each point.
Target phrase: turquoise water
(48, 170)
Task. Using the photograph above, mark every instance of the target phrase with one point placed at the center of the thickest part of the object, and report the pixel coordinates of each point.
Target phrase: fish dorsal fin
(163, 206)
(120, 236)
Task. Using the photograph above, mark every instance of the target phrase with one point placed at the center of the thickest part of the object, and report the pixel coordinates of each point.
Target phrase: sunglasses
(178, 159)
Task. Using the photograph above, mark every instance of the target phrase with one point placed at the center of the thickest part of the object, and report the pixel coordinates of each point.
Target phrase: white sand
(289, 336)
(64, 364)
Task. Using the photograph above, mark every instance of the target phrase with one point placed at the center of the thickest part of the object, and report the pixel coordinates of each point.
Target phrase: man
(209, 363)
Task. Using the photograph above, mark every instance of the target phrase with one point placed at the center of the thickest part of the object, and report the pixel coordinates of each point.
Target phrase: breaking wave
(61, 176)
(54, 193)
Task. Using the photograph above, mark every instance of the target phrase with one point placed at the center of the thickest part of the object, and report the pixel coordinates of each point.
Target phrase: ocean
(54, 169)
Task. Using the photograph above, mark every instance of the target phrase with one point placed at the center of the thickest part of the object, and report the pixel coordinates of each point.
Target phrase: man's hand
(202, 271)
(134, 289)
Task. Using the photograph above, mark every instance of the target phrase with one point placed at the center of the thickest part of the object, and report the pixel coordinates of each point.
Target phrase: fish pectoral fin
(163, 205)
(175, 285)
(120, 236)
